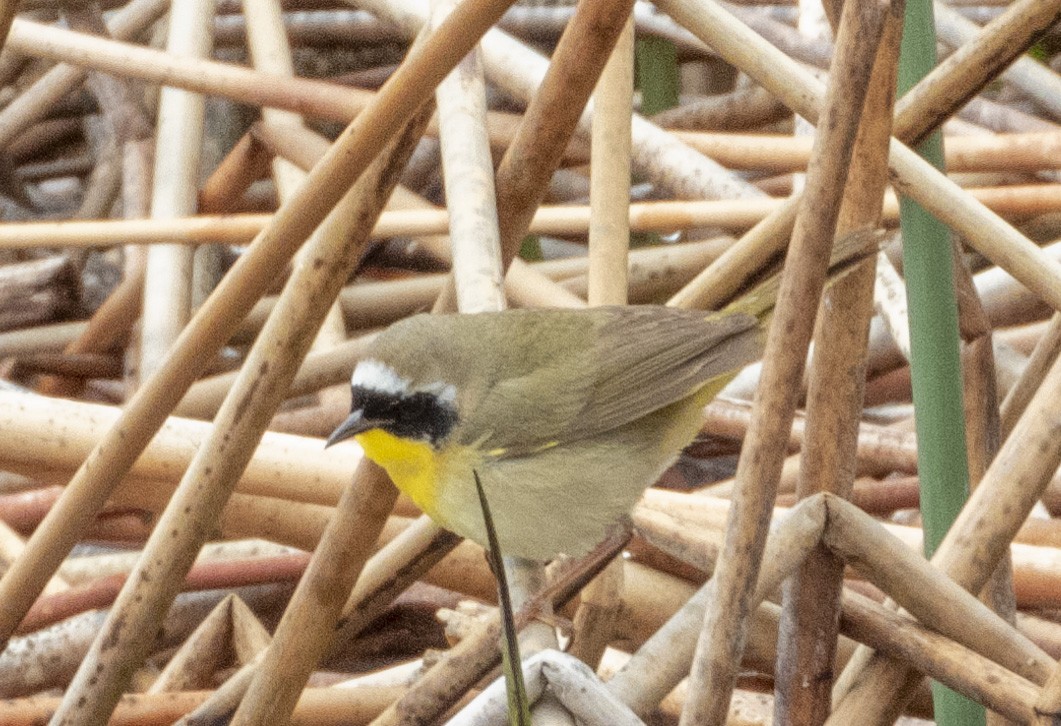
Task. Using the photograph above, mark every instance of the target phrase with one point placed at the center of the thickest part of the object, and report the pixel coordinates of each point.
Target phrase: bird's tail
(848, 251)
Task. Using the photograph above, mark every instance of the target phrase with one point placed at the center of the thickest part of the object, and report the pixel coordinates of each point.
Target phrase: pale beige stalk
(609, 242)
(167, 299)
(270, 53)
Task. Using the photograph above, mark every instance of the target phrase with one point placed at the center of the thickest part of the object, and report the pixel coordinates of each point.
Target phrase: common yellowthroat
(566, 415)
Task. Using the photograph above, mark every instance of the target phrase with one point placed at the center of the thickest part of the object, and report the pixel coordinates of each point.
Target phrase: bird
(565, 415)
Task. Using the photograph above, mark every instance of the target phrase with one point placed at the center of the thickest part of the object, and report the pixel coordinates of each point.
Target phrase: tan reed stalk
(389, 572)
(318, 706)
(954, 665)
(609, 242)
(1042, 358)
(663, 216)
(915, 112)
(309, 620)
(208, 482)
(245, 163)
(980, 401)
(718, 652)
(249, 636)
(296, 143)
(137, 167)
(809, 619)
(145, 413)
(33, 104)
(937, 602)
(203, 652)
(319, 99)
(979, 536)
(468, 171)
(167, 297)
(56, 435)
(11, 546)
(1033, 78)
(609, 232)
(779, 154)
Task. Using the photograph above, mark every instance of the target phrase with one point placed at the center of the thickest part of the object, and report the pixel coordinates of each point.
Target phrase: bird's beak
(354, 424)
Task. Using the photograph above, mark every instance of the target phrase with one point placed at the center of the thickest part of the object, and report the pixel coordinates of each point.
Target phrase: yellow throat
(412, 466)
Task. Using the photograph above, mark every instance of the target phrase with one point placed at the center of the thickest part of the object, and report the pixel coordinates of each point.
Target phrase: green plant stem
(935, 366)
(511, 662)
(656, 65)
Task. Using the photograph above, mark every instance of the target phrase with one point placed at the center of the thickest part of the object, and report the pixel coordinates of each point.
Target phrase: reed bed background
(210, 208)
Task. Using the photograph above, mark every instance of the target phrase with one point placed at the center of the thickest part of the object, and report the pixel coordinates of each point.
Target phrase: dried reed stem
(662, 216)
(319, 99)
(960, 668)
(468, 170)
(714, 669)
(308, 624)
(809, 620)
(1029, 75)
(609, 242)
(202, 652)
(1040, 361)
(167, 299)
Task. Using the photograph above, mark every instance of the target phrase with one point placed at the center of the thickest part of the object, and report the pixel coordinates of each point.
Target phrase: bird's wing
(654, 360)
(638, 360)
